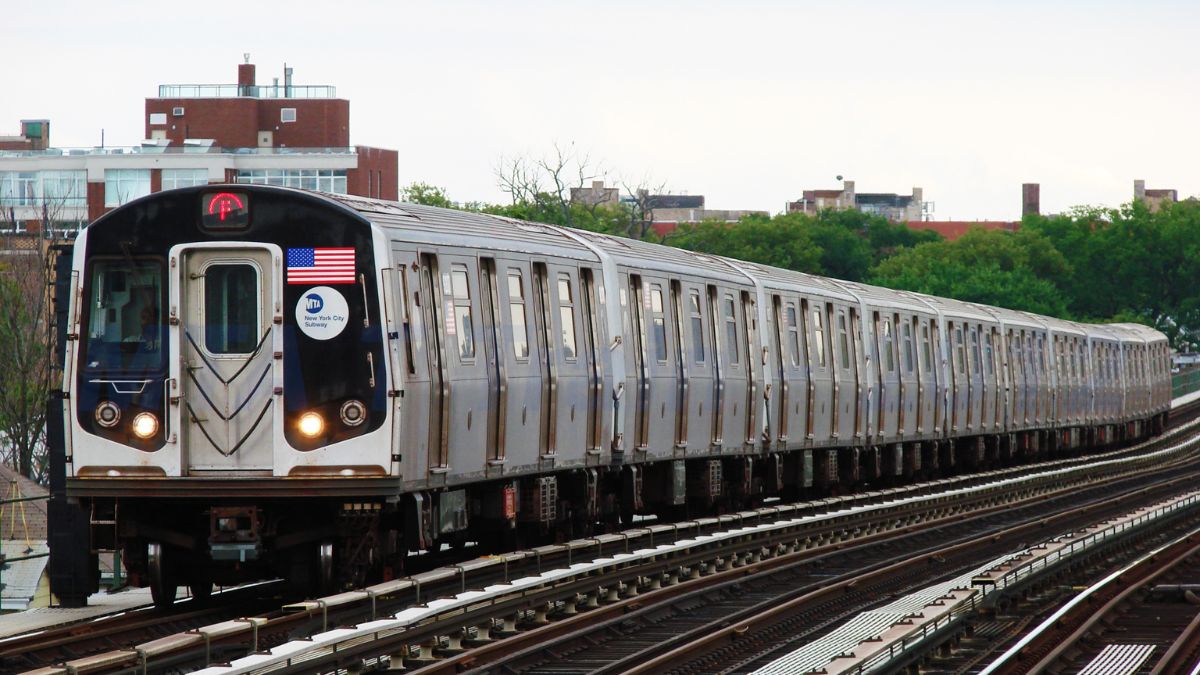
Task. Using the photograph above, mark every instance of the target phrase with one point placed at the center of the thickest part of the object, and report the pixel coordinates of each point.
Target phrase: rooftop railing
(174, 150)
(284, 91)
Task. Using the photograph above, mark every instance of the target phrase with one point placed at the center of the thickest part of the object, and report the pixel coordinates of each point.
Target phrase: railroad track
(831, 522)
(740, 618)
(1143, 618)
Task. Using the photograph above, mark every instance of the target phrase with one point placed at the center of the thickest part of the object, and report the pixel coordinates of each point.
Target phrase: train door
(889, 381)
(749, 337)
(909, 382)
(594, 337)
(659, 365)
(410, 362)
(942, 390)
(797, 412)
(845, 384)
(958, 378)
(736, 389)
(570, 382)
(927, 380)
(700, 354)
(789, 400)
(229, 298)
(975, 392)
(521, 355)
(991, 379)
(466, 380)
(820, 379)
(720, 367)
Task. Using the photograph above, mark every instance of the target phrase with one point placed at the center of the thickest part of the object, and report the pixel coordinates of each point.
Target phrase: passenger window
(793, 336)
(989, 355)
(659, 323)
(460, 291)
(516, 311)
(960, 350)
(926, 349)
(231, 300)
(843, 340)
(566, 316)
(819, 336)
(975, 355)
(697, 326)
(908, 349)
(889, 346)
(731, 332)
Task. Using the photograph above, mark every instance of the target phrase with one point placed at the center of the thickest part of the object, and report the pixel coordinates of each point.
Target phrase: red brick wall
(95, 200)
(235, 122)
(377, 175)
(323, 123)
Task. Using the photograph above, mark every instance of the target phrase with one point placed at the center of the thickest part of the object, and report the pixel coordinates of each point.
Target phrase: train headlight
(353, 413)
(145, 425)
(108, 414)
(311, 424)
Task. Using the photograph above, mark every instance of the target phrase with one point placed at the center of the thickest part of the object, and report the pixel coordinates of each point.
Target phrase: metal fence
(1185, 382)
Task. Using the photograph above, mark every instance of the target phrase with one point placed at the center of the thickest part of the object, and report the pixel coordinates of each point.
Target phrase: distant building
(596, 195)
(666, 212)
(1154, 198)
(896, 208)
(196, 134)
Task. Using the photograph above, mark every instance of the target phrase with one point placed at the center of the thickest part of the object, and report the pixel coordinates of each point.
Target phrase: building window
(325, 180)
(178, 178)
(19, 188)
(287, 114)
(122, 186)
(158, 118)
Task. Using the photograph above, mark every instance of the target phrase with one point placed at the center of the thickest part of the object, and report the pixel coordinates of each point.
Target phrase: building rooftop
(884, 199)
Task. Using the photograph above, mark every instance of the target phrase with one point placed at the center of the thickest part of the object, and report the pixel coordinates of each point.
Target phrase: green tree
(426, 194)
(991, 267)
(781, 241)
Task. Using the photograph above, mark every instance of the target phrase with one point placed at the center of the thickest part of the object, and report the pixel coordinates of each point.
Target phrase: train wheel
(201, 590)
(162, 578)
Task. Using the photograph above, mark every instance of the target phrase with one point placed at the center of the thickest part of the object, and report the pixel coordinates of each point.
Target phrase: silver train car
(267, 382)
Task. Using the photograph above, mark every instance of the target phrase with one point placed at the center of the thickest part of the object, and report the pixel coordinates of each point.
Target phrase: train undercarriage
(322, 544)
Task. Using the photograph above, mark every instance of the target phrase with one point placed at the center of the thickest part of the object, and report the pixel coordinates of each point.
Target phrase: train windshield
(125, 330)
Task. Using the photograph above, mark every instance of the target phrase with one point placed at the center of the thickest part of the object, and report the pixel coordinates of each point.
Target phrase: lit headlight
(353, 413)
(311, 424)
(145, 425)
(108, 414)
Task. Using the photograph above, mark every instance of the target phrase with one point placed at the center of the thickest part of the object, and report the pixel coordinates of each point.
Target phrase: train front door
(224, 303)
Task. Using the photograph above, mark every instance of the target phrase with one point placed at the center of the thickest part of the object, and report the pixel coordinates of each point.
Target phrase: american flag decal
(320, 265)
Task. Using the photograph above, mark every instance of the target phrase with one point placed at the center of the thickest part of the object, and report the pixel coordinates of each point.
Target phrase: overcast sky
(747, 103)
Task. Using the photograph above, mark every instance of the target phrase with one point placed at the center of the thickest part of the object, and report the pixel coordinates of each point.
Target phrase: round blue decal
(313, 303)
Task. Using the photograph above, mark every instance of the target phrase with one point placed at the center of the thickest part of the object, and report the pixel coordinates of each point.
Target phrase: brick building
(1153, 198)
(195, 134)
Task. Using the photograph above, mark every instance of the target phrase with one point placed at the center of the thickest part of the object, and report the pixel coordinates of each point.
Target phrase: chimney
(848, 201)
(1031, 199)
(916, 206)
(245, 77)
(597, 185)
(1139, 189)
(287, 81)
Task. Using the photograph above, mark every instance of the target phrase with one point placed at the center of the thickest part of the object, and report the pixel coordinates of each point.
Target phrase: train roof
(887, 297)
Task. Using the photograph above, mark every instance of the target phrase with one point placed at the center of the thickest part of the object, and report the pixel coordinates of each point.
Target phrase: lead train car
(261, 381)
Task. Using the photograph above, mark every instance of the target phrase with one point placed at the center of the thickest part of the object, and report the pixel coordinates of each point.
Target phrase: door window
(231, 308)
(697, 326)
(516, 311)
(566, 316)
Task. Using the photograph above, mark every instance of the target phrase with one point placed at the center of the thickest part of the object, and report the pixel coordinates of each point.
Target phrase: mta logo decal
(313, 303)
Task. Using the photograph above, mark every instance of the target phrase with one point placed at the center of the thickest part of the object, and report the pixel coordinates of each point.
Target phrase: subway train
(264, 382)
